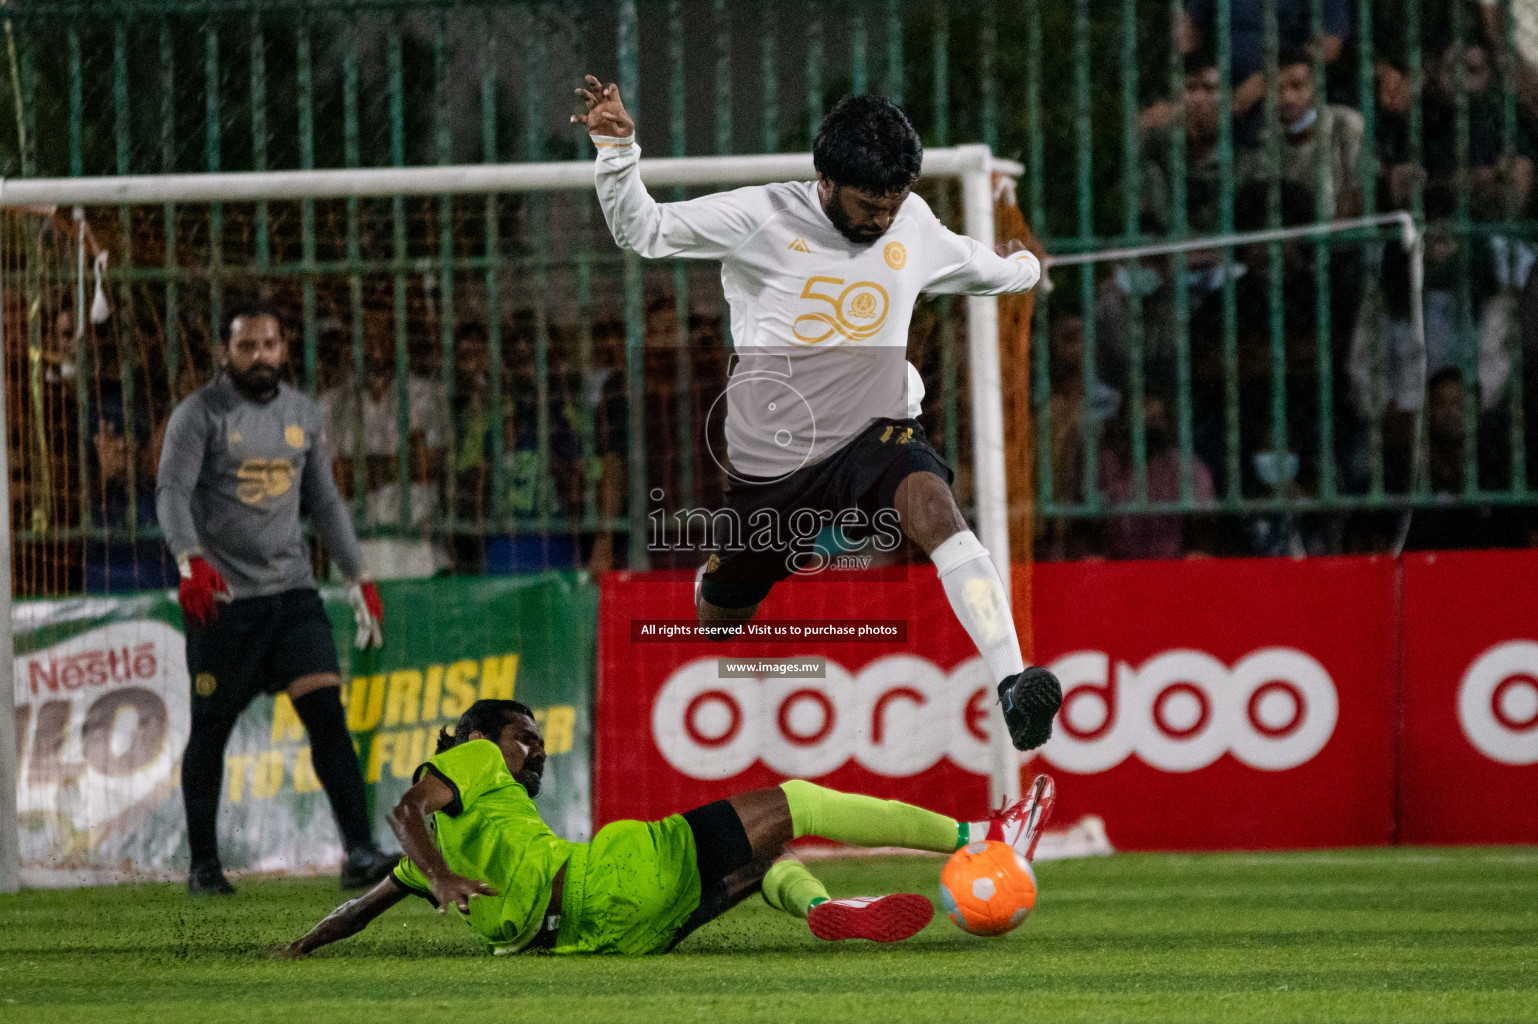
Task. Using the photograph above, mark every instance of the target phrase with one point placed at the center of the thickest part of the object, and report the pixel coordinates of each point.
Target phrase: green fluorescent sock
(867, 821)
(791, 888)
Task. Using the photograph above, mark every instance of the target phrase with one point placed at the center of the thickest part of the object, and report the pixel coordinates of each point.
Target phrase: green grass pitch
(1401, 935)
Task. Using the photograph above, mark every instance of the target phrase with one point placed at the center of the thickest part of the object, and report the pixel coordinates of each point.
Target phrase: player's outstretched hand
(456, 890)
(200, 591)
(605, 113)
(1012, 247)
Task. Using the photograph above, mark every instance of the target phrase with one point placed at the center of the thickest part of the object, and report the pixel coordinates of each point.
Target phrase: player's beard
(258, 382)
(840, 220)
(532, 778)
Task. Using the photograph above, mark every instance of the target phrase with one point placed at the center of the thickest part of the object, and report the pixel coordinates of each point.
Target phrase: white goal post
(973, 166)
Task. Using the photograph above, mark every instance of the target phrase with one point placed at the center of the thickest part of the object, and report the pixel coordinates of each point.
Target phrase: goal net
(505, 394)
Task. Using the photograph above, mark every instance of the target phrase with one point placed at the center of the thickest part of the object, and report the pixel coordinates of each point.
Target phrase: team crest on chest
(855, 311)
(294, 435)
(896, 255)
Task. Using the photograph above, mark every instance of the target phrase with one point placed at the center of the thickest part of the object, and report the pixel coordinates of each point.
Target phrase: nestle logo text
(93, 668)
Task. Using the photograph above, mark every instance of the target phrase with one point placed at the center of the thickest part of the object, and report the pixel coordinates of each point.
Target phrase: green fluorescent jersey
(491, 831)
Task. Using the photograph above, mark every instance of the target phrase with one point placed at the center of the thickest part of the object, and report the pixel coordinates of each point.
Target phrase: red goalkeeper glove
(200, 590)
(367, 614)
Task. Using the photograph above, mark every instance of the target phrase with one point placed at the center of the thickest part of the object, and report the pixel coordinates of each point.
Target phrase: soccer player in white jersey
(821, 408)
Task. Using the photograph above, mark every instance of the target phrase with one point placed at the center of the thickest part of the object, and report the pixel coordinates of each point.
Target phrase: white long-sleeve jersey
(819, 323)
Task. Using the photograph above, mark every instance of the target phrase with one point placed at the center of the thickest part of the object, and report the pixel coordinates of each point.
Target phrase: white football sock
(977, 596)
(968, 832)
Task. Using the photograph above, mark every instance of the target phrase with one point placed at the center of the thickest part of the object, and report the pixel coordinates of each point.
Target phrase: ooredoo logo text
(899, 715)
(1498, 702)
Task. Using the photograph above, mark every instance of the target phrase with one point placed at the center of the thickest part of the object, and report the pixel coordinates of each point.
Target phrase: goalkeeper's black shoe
(207, 879)
(1030, 699)
(366, 865)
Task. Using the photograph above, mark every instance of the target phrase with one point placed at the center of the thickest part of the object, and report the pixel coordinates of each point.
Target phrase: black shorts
(257, 645)
(863, 475)
(721, 849)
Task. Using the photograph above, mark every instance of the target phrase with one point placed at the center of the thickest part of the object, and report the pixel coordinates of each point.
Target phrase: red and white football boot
(1021, 823)
(879, 918)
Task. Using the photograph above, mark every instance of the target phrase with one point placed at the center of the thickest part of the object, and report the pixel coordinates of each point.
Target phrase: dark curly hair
(866, 142)
(487, 717)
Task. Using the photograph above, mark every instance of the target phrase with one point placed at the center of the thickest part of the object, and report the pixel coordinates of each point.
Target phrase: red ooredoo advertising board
(1208, 704)
(1469, 752)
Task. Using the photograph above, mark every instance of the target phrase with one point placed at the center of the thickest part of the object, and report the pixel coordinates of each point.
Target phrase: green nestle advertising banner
(102, 698)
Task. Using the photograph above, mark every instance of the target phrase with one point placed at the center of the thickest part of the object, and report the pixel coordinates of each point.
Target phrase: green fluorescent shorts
(630, 889)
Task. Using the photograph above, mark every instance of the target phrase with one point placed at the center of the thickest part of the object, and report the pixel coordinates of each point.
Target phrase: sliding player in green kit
(473, 839)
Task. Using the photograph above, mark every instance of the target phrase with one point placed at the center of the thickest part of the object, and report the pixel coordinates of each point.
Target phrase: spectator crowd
(1368, 413)
(1413, 417)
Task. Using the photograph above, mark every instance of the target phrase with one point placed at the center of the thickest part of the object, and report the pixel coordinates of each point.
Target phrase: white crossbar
(252, 186)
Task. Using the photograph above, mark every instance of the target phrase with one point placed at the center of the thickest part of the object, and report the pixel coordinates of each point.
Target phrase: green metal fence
(1245, 381)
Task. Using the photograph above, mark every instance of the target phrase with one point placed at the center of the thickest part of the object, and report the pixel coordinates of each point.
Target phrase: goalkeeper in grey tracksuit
(244, 458)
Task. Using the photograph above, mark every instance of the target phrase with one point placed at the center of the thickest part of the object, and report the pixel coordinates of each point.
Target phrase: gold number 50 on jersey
(858, 311)
(263, 478)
